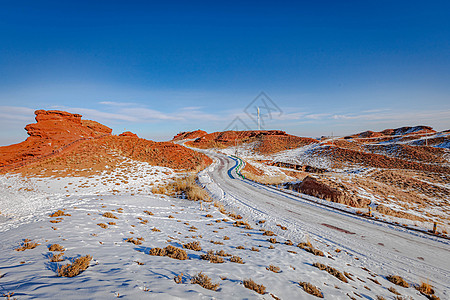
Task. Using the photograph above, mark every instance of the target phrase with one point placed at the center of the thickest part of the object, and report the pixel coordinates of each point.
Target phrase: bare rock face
(52, 131)
(128, 134)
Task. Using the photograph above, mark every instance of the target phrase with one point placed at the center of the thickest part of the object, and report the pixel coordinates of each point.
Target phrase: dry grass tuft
(289, 243)
(109, 215)
(148, 212)
(205, 282)
(240, 247)
(268, 233)
(56, 247)
(309, 248)
(170, 251)
(213, 258)
(156, 229)
(56, 257)
(259, 288)
(179, 278)
(112, 223)
(222, 253)
(208, 216)
(137, 241)
(236, 259)
(102, 225)
(188, 188)
(27, 244)
(311, 289)
(226, 238)
(58, 213)
(193, 246)
(331, 271)
(273, 268)
(255, 249)
(393, 290)
(395, 279)
(78, 266)
(273, 240)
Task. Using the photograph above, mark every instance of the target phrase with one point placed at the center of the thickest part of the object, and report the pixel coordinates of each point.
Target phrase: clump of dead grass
(193, 246)
(393, 290)
(331, 271)
(273, 240)
(148, 212)
(236, 259)
(179, 278)
(273, 268)
(188, 188)
(250, 284)
(59, 213)
(204, 281)
(213, 258)
(27, 244)
(170, 251)
(78, 266)
(137, 241)
(56, 247)
(311, 289)
(269, 233)
(310, 248)
(395, 279)
(102, 225)
(109, 215)
(57, 257)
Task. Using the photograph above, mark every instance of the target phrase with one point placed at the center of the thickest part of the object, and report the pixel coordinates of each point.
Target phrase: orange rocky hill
(187, 135)
(269, 141)
(63, 141)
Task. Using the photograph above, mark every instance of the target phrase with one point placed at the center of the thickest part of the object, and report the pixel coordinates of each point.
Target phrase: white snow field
(368, 252)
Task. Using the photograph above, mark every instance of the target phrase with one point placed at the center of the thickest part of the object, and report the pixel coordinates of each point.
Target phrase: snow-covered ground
(125, 270)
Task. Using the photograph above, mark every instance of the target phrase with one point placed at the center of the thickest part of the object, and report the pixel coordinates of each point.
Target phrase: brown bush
(148, 212)
(259, 288)
(156, 229)
(189, 189)
(137, 241)
(58, 213)
(331, 271)
(193, 246)
(255, 249)
(268, 233)
(273, 240)
(311, 289)
(55, 247)
(289, 243)
(56, 257)
(397, 280)
(273, 268)
(240, 247)
(213, 258)
(78, 266)
(309, 248)
(236, 259)
(393, 290)
(27, 244)
(226, 238)
(282, 227)
(102, 225)
(112, 223)
(179, 278)
(170, 251)
(222, 253)
(208, 216)
(425, 288)
(109, 215)
(204, 281)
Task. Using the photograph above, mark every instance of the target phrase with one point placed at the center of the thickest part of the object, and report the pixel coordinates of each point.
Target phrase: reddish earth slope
(270, 141)
(187, 135)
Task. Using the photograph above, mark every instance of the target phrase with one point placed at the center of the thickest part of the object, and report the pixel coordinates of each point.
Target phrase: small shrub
(236, 259)
(395, 279)
(137, 241)
(289, 243)
(425, 288)
(255, 249)
(58, 213)
(102, 225)
(216, 242)
(56, 257)
(226, 238)
(148, 212)
(208, 216)
(109, 215)
(179, 278)
(170, 251)
(156, 229)
(269, 233)
(282, 227)
(393, 290)
(240, 247)
(259, 288)
(222, 253)
(78, 266)
(273, 240)
(204, 281)
(309, 248)
(311, 289)
(55, 247)
(273, 268)
(193, 246)
(213, 258)
(112, 223)
(331, 271)
(27, 244)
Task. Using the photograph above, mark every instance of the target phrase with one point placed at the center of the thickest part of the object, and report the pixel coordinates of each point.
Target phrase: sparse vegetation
(311, 289)
(395, 279)
(393, 290)
(137, 241)
(78, 266)
(27, 244)
(56, 257)
(148, 212)
(273, 268)
(309, 248)
(204, 281)
(193, 246)
(59, 213)
(331, 271)
(170, 251)
(179, 278)
(250, 284)
(236, 259)
(213, 258)
(102, 225)
(109, 215)
(188, 188)
(55, 247)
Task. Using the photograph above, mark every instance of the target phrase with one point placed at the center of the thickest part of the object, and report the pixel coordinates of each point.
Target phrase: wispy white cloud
(16, 113)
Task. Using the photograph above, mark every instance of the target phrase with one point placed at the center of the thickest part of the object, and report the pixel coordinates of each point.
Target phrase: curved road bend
(373, 243)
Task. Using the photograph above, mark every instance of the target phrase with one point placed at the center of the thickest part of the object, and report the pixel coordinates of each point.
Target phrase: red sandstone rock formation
(187, 135)
(129, 134)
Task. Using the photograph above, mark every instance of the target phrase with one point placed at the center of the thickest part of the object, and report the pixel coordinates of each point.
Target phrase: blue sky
(157, 69)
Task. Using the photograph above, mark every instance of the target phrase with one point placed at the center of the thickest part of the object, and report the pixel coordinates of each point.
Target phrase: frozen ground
(124, 270)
